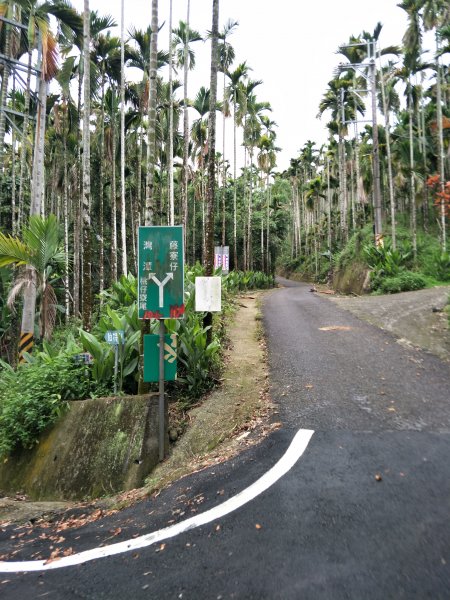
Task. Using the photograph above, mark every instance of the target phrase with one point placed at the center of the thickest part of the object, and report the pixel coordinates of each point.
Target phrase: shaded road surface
(364, 513)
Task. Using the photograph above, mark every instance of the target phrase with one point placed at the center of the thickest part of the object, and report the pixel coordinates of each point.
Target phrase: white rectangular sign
(208, 294)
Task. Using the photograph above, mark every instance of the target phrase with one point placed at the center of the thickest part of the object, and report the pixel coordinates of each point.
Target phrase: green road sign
(161, 272)
(151, 357)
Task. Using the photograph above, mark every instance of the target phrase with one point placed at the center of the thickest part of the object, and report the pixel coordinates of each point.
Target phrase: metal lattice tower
(17, 71)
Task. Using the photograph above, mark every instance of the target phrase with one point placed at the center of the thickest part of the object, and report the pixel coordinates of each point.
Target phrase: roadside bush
(243, 281)
(351, 251)
(385, 261)
(33, 396)
(403, 282)
(441, 266)
(123, 319)
(198, 357)
(122, 293)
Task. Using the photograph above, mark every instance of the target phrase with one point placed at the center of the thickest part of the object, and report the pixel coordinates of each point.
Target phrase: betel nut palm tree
(38, 16)
(211, 181)
(86, 189)
(39, 259)
(182, 39)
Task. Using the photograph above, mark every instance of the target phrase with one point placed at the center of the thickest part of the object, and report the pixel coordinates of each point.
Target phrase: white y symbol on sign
(160, 284)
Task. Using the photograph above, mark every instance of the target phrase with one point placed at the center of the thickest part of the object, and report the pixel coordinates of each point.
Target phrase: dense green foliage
(431, 267)
(403, 282)
(33, 395)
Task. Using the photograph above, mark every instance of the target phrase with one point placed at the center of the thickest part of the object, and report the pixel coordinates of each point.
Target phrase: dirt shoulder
(416, 318)
(234, 416)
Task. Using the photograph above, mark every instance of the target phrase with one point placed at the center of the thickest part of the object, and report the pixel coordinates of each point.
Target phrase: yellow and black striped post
(25, 344)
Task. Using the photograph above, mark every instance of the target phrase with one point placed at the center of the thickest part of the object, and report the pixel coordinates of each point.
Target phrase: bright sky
(290, 45)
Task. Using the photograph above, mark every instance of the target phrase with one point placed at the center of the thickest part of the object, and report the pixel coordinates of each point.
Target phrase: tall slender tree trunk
(149, 184)
(342, 185)
(203, 220)
(13, 171)
(249, 215)
(267, 223)
(37, 193)
(223, 148)
(86, 198)
(23, 148)
(134, 227)
(76, 248)
(123, 221)
(357, 170)
(441, 161)
(352, 193)
(38, 178)
(235, 258)
(386, 111)
(376, 156)
(140, 143)
(412, 182)
(329, 210)
(425, 201)
(113, 196)
(151, 138)
(194, 217)
(77, 223)
(185, 176)
(171, 211)
(66, 227)
(344, 191)
(101, 273)
(292, 230)
(4, 95)
(262, 235)
(211, 189)
(269, 197)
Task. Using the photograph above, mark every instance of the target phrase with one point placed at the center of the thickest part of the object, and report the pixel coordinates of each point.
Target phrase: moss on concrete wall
(354, 278)
(97, 448)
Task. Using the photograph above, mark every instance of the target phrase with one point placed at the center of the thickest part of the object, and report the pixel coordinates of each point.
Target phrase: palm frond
(13, 251)
(42, 238)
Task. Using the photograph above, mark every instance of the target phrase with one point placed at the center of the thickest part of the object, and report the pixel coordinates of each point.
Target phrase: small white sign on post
(208, 294)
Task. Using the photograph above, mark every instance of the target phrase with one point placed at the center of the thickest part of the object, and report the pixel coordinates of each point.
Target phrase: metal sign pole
(161, 390)
(116, 366)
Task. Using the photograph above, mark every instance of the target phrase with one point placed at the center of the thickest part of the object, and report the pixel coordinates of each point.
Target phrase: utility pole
(371, 79)
(376, 153)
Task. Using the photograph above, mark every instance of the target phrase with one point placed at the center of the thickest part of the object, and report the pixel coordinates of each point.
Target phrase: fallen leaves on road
(84, 519)
(54, 556)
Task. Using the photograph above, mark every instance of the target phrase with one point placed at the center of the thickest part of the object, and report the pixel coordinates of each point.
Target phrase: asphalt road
(364, 512)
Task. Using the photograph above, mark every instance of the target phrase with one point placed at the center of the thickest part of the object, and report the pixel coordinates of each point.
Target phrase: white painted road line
(286, 462)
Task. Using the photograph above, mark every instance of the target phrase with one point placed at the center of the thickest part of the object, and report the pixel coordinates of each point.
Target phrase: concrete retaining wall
(353, 279)
(98, 447)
